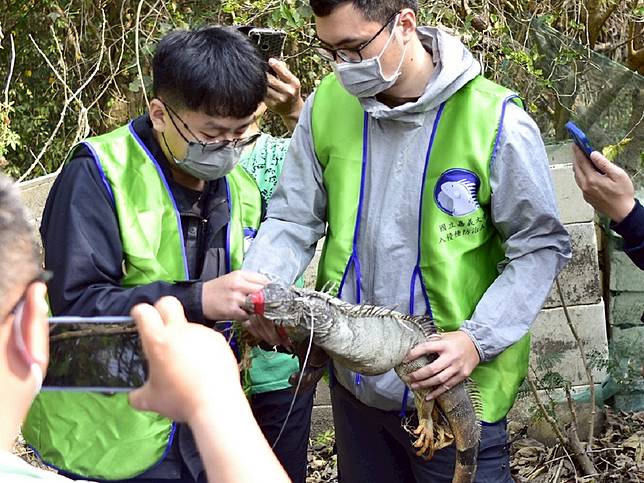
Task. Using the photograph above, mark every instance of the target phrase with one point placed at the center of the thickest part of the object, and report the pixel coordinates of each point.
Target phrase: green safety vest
(459, 250)
(101, 436)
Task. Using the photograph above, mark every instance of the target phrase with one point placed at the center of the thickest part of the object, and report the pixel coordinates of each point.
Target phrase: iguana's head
(277, 301)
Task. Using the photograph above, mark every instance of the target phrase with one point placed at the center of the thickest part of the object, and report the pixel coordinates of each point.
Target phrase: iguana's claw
(425, 440)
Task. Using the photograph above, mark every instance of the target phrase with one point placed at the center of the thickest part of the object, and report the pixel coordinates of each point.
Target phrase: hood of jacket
(446, 79)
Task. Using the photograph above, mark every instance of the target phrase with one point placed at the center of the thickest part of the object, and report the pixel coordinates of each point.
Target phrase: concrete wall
(553, 347)
(34, 194)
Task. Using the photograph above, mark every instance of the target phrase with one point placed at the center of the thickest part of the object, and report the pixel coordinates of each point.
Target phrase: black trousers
(373, 447)
(270, 410)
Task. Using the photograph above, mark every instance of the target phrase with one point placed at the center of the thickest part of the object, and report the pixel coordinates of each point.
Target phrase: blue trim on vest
(76, 475)
(417, 271)
(99, 166)
(228, 330)
(167, 187)
(43, 460)
(167, 448)
(497, 141)
(355, 257)
(403, 407)
(230, 212)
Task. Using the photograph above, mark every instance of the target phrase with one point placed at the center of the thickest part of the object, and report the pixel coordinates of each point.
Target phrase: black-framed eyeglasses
(213, 146)
(43, 276)
(353, 55)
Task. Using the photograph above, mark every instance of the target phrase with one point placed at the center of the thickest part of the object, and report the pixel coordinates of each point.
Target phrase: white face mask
(365, 78)
(36, 371)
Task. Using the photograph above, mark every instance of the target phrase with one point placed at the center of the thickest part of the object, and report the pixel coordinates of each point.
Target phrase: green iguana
(372, 340)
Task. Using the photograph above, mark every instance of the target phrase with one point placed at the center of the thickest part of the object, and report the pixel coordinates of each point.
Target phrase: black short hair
(18, 254)
(214, 70)
(373, 10)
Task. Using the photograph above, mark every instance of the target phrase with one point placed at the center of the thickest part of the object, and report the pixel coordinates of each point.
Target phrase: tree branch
(596, 17)
(137, 51)
(12, 62)
(67, 103)
(589, 375)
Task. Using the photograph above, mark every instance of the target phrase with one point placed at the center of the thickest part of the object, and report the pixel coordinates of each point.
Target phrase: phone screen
(90, 356)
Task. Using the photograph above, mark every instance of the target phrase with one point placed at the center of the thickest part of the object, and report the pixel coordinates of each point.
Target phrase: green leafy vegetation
(82, 67)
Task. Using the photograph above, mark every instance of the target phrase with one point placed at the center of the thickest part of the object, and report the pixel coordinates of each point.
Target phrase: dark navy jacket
(631, 229)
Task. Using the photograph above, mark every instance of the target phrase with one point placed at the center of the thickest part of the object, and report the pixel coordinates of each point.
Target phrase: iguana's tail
(462, 414)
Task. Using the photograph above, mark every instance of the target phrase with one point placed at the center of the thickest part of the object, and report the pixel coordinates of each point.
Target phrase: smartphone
(269, 42)
(579, 137)
(97, 354)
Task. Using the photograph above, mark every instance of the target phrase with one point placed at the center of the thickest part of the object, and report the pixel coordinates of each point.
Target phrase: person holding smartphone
(159, 207)
(181, 384)
(608, 188)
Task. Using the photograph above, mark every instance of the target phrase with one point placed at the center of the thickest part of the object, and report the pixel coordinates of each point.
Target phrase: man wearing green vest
(160, 207)
(432, 189)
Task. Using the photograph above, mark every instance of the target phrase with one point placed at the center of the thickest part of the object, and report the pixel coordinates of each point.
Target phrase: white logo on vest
(249, 237)
(456, 192)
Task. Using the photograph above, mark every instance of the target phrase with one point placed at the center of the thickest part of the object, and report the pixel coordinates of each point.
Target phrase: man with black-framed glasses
(162, 206)
(431, 187)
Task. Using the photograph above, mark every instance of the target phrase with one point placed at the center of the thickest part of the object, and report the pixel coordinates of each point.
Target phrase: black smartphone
(98, 354)
(269, 42)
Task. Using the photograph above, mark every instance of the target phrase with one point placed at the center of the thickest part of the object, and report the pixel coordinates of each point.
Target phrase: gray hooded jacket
(523, 211)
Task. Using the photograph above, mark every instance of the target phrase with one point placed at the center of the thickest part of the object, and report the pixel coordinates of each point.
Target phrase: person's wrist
(212, 402)
(475, 343)
(209, 311)
(622, 210)
(291, 111)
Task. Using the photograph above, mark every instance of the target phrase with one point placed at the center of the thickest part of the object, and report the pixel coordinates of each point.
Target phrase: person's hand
(222, 298)
(612, 192)
(263, 329)
(457, 358)
(283, 95)
(191, 366)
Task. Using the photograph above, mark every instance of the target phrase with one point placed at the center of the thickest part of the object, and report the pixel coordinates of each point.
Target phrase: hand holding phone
(96, 354)
(191, 366)
(581, 140)
(608, 189)
(284, 94)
